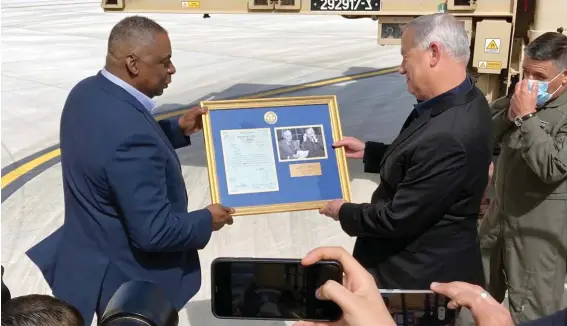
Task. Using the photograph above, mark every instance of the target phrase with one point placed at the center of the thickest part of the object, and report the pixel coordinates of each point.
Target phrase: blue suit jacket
(125, 203)
(558, 318)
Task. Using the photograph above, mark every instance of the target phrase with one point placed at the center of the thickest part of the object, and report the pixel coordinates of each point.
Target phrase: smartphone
(418, 308)
(272, 289)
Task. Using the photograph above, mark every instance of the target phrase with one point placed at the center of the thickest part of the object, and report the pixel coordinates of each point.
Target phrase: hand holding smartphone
(272, 289)
(418, 307)
(284, 289)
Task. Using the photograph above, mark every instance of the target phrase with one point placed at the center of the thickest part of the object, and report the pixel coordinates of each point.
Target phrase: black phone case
(256, 260)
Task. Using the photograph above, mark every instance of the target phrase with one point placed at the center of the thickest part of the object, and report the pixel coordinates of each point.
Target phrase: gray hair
(132, 33)
(442, 28)
(549, 46)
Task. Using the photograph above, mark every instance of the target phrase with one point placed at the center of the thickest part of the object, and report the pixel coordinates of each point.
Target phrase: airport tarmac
(47, 47)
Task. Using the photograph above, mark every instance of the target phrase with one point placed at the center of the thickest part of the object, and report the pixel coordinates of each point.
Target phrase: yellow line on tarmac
(32, 164)
(27, 167)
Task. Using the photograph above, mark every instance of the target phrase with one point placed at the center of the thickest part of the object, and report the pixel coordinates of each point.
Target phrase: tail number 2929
(347, 5)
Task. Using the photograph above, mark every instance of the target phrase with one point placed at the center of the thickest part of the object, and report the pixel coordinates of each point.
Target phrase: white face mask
(542, 95)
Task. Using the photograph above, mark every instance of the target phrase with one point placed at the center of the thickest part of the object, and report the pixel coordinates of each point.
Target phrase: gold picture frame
(274, 104)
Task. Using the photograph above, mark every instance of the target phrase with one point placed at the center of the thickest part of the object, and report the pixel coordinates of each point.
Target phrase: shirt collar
(423, 106)
(147, 102)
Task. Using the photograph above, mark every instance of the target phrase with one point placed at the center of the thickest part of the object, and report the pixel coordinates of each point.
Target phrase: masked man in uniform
(529, 213)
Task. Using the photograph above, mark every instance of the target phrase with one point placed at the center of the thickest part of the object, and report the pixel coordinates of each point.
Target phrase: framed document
(275, 155)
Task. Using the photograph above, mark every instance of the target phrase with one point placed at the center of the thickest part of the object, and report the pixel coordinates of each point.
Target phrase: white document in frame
(250, 166)
(302, 154)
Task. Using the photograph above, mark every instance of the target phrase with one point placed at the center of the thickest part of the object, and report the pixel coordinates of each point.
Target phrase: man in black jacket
(421, 223)
(5, 291)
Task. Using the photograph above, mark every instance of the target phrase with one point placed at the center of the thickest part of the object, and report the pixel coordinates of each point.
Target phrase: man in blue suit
(125, 198)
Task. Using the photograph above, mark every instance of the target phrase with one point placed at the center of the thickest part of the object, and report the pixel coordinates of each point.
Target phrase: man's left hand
(192, 120)
(331, 209)
(523, 101)
(485, 309)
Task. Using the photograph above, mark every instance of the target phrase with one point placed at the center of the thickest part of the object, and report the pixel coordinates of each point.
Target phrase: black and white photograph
(299, 143)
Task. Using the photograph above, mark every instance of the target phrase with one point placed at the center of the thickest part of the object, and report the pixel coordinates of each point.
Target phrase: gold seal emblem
(270, 117)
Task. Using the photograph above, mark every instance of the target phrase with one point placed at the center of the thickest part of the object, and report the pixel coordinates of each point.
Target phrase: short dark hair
(133, 32)
(549, 46)
(39, 309)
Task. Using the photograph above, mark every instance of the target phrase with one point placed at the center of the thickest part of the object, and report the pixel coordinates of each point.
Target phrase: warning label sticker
(494, 65)
(492, 45)
(190, 4)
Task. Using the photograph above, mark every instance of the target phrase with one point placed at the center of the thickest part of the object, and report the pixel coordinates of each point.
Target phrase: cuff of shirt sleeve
(347, 218)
